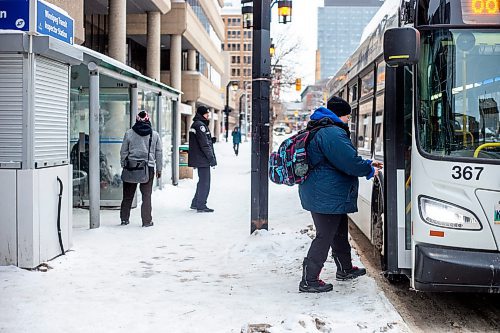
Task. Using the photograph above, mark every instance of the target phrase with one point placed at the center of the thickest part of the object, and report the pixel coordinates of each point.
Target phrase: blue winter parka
(332, 185)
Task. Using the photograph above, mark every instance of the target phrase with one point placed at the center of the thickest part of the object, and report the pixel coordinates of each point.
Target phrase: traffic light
(298, 84)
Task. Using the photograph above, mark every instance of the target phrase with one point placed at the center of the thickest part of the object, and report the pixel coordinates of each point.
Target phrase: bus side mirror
(401, 46)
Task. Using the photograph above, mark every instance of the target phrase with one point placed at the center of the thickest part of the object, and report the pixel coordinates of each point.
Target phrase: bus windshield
(459, 93)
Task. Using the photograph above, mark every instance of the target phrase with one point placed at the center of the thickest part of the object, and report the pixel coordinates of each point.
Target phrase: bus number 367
(466, 172)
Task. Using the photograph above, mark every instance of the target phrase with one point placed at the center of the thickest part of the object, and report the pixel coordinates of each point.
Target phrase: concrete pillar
(217, 125)
(212, 120)
(118, 29)
(175, 61)
(153, 45)
(191, 60)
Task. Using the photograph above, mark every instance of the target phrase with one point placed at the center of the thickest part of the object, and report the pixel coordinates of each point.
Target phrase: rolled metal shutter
(11, 110)
(51, 113)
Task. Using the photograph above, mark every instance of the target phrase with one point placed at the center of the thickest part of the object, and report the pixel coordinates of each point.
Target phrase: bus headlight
(443, 214)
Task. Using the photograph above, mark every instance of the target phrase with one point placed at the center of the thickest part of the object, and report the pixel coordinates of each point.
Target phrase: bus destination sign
(481, 11)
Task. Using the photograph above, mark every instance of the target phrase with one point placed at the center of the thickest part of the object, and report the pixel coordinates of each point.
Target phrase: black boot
(310, 278)
(350, 274)
(345, 269)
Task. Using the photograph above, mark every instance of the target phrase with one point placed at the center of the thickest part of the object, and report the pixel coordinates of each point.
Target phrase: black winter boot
(345, 269)
(310, 278)
(349, 274)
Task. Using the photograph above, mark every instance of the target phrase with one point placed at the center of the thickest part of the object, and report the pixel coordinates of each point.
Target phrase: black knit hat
(202, 110)
(338, 106)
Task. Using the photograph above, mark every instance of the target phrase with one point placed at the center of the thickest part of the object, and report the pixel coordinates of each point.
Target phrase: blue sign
(14, 15)
(52, 22)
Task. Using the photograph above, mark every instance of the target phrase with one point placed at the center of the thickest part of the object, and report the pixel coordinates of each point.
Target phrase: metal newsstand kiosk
(35, 173)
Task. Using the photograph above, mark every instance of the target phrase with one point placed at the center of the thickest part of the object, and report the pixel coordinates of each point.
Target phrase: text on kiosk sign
(48, 19)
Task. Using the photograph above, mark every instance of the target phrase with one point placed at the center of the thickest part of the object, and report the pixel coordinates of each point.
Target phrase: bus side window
(379, 123)
(365, 128)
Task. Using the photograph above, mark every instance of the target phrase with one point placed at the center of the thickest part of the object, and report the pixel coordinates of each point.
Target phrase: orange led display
(485, 6)
(481, 11)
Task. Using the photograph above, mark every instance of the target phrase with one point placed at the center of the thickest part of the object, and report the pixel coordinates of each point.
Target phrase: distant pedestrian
(236, 139)
(330, 192)
(202, 157)
(140, 143)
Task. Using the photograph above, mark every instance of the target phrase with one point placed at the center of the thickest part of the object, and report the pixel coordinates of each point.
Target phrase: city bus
(424, 87)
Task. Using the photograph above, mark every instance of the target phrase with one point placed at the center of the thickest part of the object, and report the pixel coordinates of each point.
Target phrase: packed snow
(193, 272)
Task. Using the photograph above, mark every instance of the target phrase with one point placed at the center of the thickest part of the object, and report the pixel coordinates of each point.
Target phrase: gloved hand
(214, 140)
(158, 174)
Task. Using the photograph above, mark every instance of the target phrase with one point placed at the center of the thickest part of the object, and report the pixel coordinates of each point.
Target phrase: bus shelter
(119, 91)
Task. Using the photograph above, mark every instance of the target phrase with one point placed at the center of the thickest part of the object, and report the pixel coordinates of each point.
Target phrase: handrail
(485, 145)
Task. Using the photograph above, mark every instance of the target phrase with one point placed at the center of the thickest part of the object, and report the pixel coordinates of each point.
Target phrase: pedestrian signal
(298, 84)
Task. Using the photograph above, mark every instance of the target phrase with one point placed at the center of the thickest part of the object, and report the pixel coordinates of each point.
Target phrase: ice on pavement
(192, 272)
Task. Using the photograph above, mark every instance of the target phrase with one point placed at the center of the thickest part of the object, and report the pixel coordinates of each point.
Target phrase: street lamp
(285, 11)
(227, 109)
(247, 12)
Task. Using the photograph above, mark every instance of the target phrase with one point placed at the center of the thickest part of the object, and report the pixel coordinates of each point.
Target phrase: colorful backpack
(289, 165)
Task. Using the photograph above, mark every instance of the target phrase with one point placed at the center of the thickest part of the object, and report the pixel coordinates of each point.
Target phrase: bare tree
(283, 73)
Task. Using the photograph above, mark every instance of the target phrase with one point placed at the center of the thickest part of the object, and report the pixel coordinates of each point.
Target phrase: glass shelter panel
(166, 137)
(113, 122)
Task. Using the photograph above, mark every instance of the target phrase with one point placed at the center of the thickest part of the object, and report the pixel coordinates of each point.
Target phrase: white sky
(192, 272)
(304, 28)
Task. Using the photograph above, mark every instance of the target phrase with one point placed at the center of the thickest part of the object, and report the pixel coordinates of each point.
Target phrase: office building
(340, 25)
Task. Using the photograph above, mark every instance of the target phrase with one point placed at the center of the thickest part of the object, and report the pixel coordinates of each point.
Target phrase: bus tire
(378, 225)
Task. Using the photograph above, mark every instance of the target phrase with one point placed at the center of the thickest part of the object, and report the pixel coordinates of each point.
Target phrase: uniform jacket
(135, 145)
(201, 149)
(332, 185)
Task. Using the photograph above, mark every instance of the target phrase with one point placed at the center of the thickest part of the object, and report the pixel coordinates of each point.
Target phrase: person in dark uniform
(202, 157)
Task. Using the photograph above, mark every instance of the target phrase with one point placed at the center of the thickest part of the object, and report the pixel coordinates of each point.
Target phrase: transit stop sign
(36, 16)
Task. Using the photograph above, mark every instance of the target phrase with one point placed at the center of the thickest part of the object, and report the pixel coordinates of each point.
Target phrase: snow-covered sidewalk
(192, 272)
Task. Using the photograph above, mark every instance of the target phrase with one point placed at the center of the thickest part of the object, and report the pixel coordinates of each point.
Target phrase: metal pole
(261, 74)
(176, 118)
(226, 110)
(246, 114)
(239, 113)
(94, 170)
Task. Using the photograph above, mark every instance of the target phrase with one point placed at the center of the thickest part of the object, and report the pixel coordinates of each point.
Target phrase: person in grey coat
(137, 142)
(330, 192)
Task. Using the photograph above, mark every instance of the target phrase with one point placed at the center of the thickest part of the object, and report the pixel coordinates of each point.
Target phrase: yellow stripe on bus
(399, 57)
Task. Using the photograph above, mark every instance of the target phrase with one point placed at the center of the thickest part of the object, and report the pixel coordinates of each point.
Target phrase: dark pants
(236, 147)
(331, 231)
(202, 189)
(128, 196)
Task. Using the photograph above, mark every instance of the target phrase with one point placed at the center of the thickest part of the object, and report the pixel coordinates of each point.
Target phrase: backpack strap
(312, 133)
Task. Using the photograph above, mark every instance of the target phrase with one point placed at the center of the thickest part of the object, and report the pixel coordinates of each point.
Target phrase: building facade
(340, 25)
(174, 43)
(238, 45)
